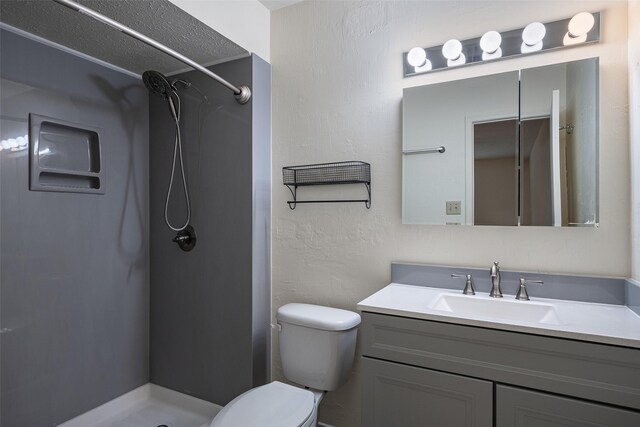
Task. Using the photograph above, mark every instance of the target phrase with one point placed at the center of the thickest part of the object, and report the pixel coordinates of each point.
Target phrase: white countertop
(601, 323)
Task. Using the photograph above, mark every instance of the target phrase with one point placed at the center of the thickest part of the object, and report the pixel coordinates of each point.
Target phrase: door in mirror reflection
(495, 172)
(536, 173)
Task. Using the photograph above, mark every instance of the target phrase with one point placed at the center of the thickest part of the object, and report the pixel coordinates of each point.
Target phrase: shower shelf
(64, 156)
(352, 172)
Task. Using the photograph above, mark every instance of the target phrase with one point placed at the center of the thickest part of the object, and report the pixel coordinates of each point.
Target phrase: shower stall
(97, 302)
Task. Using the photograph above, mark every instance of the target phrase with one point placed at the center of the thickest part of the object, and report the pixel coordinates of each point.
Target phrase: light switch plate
(454, 207)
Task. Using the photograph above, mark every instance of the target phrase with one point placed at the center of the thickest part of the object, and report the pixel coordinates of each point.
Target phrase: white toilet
(317, 346)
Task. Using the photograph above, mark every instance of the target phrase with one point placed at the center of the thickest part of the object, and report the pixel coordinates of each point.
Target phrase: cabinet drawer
(516, 407)
(598, 372)
(400, 395)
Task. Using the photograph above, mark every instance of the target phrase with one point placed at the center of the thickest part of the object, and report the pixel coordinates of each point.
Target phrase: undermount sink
(510, 310)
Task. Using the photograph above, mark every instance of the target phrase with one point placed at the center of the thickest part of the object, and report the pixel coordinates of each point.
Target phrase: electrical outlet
(454, 208)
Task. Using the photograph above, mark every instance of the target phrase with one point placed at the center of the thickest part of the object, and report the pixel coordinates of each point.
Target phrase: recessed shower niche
(64, 156)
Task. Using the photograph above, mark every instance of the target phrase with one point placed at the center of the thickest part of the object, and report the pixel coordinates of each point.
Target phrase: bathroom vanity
(432, 358)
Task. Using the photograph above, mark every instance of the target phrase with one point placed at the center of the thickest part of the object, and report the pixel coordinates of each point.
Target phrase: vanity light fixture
(582, 28)
(490, 45)
(452, 50)
(578, 28)
(532, 37)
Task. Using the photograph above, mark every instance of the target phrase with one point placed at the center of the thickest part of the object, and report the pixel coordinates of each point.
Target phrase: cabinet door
(517, 407)
(401, 395)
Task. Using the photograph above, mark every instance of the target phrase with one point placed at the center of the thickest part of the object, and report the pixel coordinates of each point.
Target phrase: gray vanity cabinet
(526, 408)
(400, 395)
(427, 373)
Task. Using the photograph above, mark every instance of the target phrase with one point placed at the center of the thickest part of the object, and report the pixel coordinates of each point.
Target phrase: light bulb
(493, 55)
(581, 24)
(568, 40)
(425, 67)
(452, 49)
(490, 41)
(525, 48)
(417, 57)
(460, 60)
(533, 34)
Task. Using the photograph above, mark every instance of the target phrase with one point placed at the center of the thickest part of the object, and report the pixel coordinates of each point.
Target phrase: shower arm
(242, 93)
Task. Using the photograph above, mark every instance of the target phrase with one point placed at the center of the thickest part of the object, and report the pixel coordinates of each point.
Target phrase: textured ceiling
(157, 19)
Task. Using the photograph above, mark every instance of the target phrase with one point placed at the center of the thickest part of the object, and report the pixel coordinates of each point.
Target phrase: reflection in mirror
(445, 114)
(568, 95)
(521, 149)
(536, 198)
(495, 193)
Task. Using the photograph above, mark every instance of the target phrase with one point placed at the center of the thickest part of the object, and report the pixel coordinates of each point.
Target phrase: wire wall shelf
(352, 172)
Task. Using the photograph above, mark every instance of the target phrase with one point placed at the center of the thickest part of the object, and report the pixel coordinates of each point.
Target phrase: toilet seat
(272, 405)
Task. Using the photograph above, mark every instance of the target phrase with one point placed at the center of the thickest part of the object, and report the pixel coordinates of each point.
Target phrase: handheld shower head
(157, 83)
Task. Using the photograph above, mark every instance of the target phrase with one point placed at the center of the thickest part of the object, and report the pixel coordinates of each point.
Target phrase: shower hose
(177, 153)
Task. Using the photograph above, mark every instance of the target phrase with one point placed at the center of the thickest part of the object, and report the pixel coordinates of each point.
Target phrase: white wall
(337, 92)
(634, 114)
(244, 22)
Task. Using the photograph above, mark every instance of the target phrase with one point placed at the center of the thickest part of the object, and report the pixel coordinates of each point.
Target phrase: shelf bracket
(294, 193)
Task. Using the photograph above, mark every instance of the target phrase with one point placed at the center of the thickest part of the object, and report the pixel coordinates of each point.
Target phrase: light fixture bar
(534, 38)
(242, 93)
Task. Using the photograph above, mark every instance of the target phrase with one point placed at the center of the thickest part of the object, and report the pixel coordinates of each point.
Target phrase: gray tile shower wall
(210, 307)
(74, 268)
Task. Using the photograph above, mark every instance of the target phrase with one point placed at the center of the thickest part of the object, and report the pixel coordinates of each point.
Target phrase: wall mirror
(517, 148)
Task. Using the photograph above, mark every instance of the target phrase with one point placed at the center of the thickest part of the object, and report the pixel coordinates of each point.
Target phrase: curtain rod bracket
(244, 96)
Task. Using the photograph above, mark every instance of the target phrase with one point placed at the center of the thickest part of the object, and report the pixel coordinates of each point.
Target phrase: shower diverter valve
(186, 238)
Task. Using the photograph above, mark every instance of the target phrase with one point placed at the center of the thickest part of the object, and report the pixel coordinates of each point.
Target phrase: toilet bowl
(317, 347)
(272, 405)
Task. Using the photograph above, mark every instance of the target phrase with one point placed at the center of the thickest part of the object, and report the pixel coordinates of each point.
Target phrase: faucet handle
(522, 294)
(468, 285)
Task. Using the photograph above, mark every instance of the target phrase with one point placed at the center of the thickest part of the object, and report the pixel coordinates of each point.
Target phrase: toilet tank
(317, 344)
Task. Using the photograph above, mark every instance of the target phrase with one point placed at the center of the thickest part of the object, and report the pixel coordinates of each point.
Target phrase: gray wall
(210, 306)
(73, 267)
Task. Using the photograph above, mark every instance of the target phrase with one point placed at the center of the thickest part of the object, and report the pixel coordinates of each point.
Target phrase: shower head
(157, 83)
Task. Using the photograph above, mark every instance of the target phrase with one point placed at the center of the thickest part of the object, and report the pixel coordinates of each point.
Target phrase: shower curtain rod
(242, 93)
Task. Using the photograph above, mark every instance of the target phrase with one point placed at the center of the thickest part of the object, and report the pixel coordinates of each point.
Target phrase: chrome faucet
(496, 292)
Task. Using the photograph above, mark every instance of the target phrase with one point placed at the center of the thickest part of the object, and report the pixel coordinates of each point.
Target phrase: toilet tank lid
(318, 317)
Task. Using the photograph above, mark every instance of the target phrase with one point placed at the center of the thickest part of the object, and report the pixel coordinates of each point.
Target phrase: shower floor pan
(149, 406)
